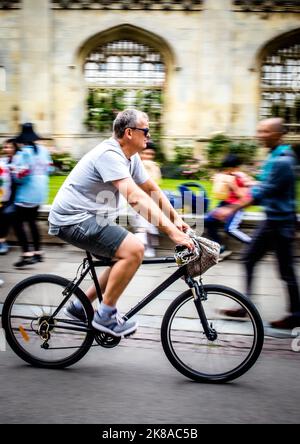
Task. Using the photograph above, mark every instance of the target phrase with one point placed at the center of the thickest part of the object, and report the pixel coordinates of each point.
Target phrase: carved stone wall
(267, 5)
(214, 57)
(189, 5)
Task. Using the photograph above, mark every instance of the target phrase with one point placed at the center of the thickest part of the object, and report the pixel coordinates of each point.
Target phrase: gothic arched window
(280, 84)
(124, 63)
(120, 74)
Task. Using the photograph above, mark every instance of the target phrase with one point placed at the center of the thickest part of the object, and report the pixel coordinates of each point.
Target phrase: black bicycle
(199, 341)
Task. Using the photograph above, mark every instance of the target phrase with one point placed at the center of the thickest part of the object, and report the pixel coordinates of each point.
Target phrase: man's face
(267, 135)
(139, 138)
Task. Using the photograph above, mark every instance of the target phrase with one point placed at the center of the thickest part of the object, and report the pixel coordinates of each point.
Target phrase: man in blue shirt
(276, 192)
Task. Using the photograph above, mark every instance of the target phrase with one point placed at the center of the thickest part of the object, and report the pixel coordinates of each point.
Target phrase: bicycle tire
(169, 344)
(8, 306)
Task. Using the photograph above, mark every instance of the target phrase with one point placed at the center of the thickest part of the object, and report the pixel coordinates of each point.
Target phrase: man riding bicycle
(86, 207)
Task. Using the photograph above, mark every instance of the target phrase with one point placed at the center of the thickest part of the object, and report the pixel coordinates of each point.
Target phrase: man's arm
(223, 213)
(151, 188)
(144, 205)
(280, 174)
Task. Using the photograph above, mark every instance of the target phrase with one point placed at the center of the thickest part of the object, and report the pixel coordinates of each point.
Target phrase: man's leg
(75, 309)
(255, 251)
(110, 241)
(103, 278)
(284, 254)
(130, 256)
(112, 281)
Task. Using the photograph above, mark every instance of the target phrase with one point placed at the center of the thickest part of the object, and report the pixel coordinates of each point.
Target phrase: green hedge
(166, 184)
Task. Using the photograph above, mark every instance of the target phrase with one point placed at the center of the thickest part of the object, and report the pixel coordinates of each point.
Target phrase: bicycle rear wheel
(32, 332)
(234, 351)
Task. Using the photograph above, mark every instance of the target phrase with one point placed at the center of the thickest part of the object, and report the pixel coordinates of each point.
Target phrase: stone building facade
(225, 63)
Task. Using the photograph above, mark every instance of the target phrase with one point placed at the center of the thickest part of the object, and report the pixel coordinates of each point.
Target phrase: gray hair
(126, 119)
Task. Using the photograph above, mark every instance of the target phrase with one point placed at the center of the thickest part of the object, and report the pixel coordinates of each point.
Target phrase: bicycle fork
(199, 296)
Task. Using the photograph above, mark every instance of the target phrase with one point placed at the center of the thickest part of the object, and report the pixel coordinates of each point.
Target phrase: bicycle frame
(196, 288)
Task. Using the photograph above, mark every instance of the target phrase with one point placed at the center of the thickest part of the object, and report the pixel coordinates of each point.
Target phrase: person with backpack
(231, 187)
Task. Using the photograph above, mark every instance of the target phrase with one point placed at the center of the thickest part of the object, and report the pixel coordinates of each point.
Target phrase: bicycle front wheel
(233, 351)
(34, 334)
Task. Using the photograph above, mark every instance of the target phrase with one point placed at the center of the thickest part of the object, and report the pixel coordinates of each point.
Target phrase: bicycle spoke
(235, 344)
(38, 337)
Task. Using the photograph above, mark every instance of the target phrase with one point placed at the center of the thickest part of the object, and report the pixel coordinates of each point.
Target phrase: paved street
(134, 382)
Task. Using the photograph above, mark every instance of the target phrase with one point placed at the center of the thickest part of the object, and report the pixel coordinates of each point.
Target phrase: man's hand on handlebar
(181, 238)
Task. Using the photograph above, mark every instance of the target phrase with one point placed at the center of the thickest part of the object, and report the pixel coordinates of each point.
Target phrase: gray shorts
(90, 236)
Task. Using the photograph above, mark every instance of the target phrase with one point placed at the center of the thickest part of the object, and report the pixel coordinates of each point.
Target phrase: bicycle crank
(106, 340)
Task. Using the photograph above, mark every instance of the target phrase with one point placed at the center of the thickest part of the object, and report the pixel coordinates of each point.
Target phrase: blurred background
(198, 67)
(206, 72)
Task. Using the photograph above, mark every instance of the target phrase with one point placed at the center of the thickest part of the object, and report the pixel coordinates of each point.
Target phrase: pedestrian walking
(276, 192)
(31, 169)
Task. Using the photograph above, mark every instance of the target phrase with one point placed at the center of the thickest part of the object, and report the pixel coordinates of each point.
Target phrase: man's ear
(128, 133)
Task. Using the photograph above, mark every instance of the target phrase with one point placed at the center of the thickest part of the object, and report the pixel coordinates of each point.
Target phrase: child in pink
(235, 189)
